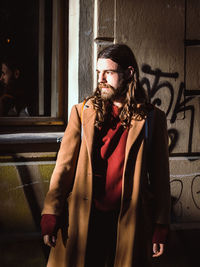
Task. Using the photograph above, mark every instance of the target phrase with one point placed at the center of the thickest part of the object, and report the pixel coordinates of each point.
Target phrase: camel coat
(145, 191)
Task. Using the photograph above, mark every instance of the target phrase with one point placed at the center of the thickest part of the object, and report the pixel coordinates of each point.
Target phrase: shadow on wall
(22, 188)
(32, 200)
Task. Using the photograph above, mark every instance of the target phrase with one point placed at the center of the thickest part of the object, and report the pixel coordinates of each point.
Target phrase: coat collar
(88, 128)
(89, 116)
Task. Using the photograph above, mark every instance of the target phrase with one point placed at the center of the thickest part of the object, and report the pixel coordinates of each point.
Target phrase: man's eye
(109, 72)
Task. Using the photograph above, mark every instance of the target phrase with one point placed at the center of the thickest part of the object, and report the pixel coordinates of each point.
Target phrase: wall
(24, 180)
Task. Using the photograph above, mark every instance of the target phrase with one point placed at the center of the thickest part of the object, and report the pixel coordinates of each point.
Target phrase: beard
(9, 84)
(110, 93)
(106, 90)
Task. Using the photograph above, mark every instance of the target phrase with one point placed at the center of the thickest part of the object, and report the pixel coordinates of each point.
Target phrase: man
(109, 198)
(13, 98)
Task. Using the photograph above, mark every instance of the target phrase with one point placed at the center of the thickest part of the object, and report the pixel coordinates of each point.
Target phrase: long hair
(134, 94)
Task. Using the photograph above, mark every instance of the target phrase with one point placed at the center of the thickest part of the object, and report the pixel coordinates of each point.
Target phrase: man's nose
(102, 77)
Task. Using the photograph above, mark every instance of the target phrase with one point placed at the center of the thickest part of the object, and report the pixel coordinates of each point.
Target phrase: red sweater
(108, 155)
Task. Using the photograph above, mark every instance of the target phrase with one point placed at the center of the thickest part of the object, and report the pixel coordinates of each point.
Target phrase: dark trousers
(102, 236)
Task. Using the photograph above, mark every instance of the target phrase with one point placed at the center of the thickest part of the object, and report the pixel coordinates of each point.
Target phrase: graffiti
(180, 105)
(157, 85)
(185, 193)
(173, 138)
(194, 192)
(182, 200)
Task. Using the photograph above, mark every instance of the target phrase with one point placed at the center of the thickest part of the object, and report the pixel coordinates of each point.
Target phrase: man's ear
(16, 73)
(129, 72)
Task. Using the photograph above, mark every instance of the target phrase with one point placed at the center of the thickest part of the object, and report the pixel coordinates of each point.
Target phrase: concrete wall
(24, 180)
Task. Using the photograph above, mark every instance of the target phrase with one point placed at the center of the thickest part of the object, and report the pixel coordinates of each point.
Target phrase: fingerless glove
(160, 233)
(49, 224)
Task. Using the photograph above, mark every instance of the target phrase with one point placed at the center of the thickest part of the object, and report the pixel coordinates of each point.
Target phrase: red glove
(49, 224)
(160, 233)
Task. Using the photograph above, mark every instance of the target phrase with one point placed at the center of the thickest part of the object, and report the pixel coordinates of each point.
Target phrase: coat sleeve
(63, 175)
(159, 169)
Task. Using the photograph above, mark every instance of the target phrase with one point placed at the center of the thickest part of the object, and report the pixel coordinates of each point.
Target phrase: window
(33, 61)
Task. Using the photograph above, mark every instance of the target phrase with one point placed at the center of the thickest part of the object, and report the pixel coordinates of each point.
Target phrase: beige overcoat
(145, 197)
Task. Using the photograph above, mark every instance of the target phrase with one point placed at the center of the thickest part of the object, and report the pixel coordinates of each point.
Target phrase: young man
(109, 198)
(13, 98)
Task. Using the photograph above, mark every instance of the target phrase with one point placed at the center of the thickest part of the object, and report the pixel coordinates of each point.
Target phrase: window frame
(59, 79)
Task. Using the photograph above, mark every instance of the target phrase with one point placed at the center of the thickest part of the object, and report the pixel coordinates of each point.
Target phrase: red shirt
(109, 153)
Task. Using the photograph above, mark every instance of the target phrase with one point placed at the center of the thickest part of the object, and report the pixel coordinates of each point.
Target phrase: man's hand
(49, 228)
(50, 240)
(158, 249)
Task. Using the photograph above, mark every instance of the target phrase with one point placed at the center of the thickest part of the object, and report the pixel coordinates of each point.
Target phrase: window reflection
(26, 58)
(14, 100)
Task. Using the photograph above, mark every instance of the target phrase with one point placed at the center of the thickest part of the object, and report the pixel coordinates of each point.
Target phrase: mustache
(104, 85)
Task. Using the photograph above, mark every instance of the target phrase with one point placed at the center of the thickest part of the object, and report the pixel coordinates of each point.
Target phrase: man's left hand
(158, 249)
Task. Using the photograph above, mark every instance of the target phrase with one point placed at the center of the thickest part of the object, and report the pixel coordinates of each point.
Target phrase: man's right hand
(50, 240)
(49, 228)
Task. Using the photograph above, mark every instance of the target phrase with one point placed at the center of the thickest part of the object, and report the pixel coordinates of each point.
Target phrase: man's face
(110, 78)
(6, 75)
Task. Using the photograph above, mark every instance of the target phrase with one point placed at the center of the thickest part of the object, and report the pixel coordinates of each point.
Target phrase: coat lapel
(135, 129)
(89, 115)
(134, 132)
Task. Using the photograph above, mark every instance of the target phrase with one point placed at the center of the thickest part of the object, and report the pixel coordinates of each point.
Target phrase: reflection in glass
(25, 58)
